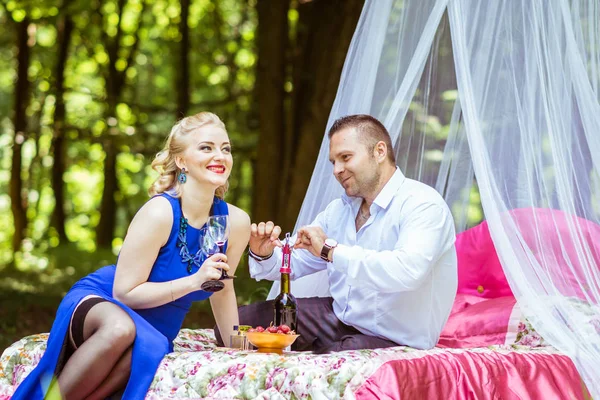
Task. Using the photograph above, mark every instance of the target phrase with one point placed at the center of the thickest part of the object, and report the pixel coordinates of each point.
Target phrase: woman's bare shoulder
(238, 217)
(151, 225)
(156, 212)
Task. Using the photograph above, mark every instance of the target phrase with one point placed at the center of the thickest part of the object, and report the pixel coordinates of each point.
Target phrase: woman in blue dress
(115, 325)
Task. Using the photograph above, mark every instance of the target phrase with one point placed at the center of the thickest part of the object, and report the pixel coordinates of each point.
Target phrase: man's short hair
(369, 129)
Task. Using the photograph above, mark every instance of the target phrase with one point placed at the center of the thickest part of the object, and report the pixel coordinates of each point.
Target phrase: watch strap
(325, 252)
(326, 249)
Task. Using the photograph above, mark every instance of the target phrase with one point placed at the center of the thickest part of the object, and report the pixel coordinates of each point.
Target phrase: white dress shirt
(395, 278)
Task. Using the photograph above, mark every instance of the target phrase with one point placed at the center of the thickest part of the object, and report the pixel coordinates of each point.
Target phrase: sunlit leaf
(44, 86)
(124, 113)
(19, 15)
(245, 58)
(113, 19)
(36, 13)
(121, 64)
(141, 59)
(101, 57)
(450, 95)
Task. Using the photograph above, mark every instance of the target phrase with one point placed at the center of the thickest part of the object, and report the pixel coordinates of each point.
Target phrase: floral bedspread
(197, 369)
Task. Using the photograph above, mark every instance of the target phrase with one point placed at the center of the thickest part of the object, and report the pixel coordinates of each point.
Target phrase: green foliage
(222, 59)
(143, 43)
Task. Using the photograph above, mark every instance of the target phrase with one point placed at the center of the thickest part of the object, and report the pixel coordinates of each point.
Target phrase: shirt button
(480, 289)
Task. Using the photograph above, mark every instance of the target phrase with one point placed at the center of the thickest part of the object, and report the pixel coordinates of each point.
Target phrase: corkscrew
(287, 241)
(287, 253)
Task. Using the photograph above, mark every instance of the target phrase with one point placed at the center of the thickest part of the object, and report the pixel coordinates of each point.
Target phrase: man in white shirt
(387, 245)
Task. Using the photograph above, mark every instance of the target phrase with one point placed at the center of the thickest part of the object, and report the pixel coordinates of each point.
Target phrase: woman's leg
(108, 333)
(117, 379)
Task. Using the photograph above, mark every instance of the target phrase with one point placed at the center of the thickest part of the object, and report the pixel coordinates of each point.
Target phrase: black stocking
(108, 334)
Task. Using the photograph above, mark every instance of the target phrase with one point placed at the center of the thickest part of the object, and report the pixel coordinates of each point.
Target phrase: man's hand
(311, 238)
(264, 237)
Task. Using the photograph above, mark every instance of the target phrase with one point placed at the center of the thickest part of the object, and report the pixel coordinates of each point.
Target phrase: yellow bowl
(270, 342)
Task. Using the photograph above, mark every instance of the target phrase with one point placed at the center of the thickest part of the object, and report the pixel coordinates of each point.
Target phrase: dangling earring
(182, 176)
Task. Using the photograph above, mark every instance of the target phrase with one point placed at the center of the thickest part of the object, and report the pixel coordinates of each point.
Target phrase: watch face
(331, 242)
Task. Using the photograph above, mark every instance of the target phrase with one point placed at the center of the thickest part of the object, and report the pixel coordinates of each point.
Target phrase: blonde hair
(164, 162)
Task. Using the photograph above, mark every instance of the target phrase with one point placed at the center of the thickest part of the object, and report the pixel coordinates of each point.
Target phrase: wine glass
(209, 247)
(218, 228)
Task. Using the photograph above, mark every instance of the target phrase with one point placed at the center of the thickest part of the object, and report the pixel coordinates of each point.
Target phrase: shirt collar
(386, 195)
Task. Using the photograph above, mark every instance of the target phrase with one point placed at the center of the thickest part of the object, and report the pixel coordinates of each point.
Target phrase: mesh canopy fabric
(496, 100)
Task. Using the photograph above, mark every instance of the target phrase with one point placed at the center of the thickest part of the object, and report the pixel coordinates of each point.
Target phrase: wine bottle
(285, 306)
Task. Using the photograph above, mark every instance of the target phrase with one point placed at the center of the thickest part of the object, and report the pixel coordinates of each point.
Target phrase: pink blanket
(475, 374)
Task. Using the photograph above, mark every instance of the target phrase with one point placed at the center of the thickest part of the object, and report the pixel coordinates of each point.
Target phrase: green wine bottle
(286, 306)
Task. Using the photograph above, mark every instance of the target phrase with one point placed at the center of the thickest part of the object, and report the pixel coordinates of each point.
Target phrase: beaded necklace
(184, 253)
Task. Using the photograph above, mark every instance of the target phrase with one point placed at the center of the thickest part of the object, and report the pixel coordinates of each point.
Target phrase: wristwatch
(327, 246)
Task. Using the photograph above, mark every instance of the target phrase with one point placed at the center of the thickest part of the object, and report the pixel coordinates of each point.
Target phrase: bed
(464, 365)
(487, 350)
(198, 370)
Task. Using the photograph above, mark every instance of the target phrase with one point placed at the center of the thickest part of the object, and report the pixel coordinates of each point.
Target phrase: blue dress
(155, 327)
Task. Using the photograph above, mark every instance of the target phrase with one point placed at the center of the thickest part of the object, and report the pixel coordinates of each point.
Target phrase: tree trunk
(115, 81)
(18, 200)
(270, 99)
(325, 29)
(108, 205)
(183, 83)
(64, 28)
(36, 170)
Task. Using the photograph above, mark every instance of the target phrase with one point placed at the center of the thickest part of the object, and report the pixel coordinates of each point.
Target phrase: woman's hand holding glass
(210, 272)
(212, 240)
(218, 229)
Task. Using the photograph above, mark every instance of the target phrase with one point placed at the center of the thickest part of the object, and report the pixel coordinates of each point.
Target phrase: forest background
(89, 91)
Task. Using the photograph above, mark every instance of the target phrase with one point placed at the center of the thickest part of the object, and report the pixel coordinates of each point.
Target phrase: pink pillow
(485, 311)
(558, 249)
(479, 270)
(479, 322)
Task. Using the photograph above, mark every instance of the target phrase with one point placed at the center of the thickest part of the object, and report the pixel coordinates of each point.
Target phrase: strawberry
(284, 328)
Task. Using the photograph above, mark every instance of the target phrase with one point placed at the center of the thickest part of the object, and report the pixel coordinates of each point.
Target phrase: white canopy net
(505, 93)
